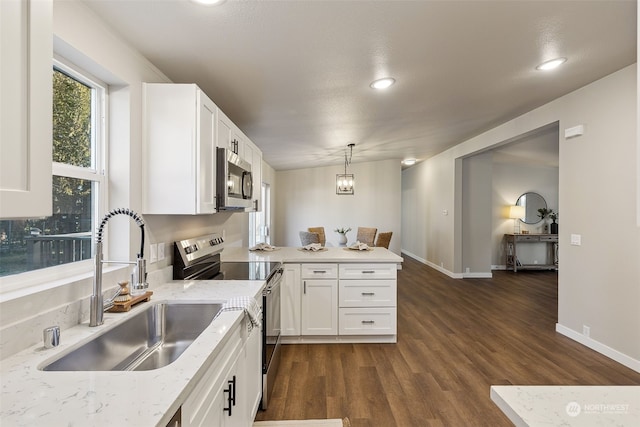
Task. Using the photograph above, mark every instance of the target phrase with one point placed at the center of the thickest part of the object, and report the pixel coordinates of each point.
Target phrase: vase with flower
(554, 225)
(342, 235)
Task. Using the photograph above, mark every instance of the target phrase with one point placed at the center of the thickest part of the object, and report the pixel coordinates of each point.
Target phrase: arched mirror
(531, 203)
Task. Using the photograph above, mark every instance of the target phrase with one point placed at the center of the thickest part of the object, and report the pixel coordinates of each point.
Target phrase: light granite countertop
(579, 406)
(31, 397)
(296, 255)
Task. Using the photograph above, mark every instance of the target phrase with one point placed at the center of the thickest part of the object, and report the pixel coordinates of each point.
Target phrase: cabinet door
(290, 300)
(179, 150)
(247, 152)
(225, 131)
(206, 180)
(25, 108)
(319, 307)
(205, 405)
(249, 376)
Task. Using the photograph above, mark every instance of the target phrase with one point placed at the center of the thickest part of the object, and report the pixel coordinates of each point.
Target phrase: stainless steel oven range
(199, 259)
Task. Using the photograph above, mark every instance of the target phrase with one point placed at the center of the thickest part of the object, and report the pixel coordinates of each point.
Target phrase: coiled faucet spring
(97, 307)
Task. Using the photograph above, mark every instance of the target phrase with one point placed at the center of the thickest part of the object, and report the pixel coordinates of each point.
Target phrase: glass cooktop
(246, 270)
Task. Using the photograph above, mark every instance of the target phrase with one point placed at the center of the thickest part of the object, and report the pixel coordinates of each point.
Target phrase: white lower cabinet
(348, 301)
(319, 299)
(368, 321)
(228, 394)
(320, 307)
(368, 299)
(290, 292)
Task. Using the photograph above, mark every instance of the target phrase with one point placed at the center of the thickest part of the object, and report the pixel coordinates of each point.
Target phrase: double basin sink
(148, 340)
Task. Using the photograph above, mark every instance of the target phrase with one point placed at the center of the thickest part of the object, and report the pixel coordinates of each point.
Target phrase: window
(78, 181)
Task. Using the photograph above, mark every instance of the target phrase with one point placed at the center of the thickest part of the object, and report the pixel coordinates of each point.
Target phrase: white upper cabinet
(229, 136)
(232, 138)
(179, 163)
(25, 108)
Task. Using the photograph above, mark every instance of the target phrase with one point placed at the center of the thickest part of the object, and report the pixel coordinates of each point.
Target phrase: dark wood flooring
(456, 338)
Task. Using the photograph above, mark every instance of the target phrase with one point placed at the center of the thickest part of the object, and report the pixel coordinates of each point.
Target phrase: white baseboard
(603, 349)
(477, 275)
(480, 275)
(414, 256)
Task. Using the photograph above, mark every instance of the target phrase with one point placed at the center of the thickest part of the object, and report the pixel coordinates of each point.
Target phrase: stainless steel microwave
(234, 182)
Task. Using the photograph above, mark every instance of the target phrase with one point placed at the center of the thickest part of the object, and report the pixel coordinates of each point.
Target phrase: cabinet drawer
(526, 238)
(319, 271)
(367, 321)
(367, 293)
(368, 271)
(549, 238)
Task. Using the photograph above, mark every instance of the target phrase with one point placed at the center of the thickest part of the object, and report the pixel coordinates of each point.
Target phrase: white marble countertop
(580, 406)
(31, 397)
(295, 255)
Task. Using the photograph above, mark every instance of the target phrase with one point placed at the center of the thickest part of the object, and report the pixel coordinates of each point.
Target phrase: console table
(511, 249)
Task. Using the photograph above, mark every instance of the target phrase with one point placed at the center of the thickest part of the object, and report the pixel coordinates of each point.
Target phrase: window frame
(44, 278)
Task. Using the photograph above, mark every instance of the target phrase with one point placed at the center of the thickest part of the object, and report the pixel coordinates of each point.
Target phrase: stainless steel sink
(149, 340)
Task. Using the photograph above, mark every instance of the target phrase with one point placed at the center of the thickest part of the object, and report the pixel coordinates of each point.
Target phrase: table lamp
(516, 213)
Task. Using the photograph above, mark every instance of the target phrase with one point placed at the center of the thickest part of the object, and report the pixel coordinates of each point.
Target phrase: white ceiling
(294, 75)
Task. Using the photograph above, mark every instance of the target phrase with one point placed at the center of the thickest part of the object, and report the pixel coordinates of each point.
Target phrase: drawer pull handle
(368, 294)
(231, 396)
(368, 271)
(368, 322)
(319, 271)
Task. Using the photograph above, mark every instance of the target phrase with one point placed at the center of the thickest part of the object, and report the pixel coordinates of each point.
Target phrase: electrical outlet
(467, 270)
(153, 248)
(160, 251)
(586, 330)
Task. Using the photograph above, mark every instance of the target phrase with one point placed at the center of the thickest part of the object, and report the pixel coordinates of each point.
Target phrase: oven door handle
(273, 284)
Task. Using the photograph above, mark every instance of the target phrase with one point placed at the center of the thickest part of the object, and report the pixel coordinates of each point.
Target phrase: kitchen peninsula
(334, 295)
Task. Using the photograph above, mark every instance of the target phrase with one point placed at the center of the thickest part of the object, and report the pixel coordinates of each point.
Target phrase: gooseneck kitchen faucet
(97, 307)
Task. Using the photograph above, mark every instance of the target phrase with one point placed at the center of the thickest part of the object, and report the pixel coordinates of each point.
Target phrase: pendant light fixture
(345, 181)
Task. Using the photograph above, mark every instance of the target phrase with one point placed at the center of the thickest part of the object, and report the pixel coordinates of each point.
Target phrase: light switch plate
(153, 248)
(576, 239)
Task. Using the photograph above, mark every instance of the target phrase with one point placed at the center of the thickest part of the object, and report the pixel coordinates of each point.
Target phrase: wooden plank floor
(455, 339)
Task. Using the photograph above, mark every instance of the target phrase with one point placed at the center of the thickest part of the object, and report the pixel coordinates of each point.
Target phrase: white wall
(307, 198)
(599, 282)
(477, 203)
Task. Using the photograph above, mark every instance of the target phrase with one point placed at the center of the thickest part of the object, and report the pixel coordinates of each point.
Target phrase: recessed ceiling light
(209, 2)
(409, 162)
(382, 83)
(550, 65)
